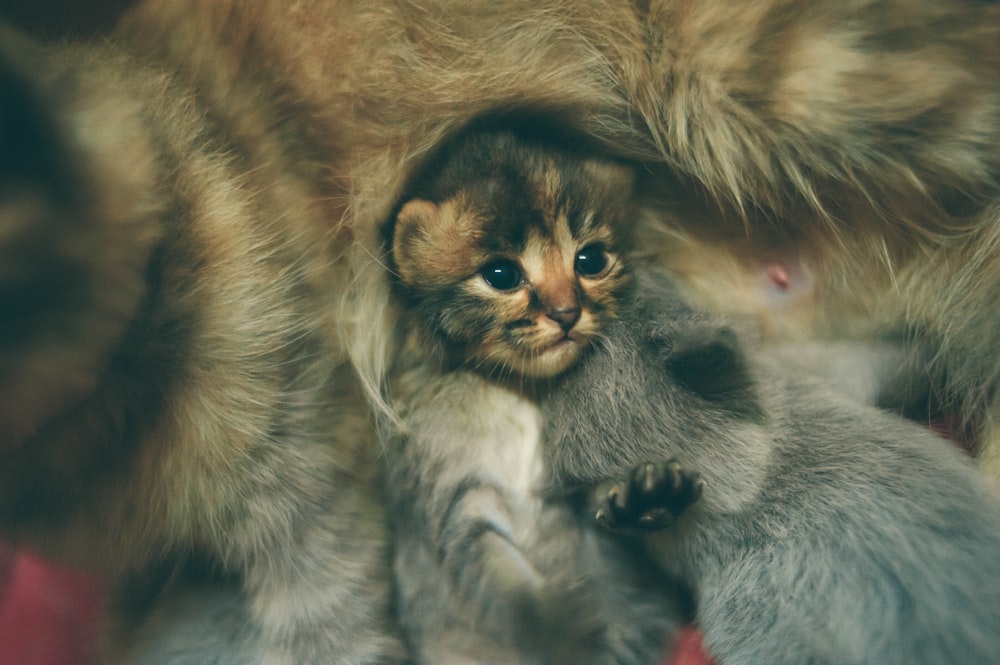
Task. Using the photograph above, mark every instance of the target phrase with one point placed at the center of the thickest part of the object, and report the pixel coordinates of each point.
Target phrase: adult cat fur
(215, 174)
(859, 138)
(208, 426)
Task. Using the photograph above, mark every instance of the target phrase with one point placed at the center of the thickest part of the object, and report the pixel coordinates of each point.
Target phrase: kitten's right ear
(412, 238)
(435, 244)
(417, 213)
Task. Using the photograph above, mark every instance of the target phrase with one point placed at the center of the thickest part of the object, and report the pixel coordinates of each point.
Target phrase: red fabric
(689, 650)
(48, 614)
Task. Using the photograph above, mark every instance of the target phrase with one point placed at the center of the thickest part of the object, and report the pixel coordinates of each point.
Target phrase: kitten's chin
(549, 362)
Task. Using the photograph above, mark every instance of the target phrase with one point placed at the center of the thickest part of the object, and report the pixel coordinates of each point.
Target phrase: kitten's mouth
(554, 356)
(572, 338)
(566, 347)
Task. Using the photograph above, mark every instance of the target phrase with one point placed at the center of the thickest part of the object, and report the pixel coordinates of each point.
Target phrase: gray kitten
(829, 531)
(507, 258)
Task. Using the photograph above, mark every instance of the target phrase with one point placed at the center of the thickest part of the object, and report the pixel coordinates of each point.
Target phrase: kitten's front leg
(504, 572)
(485, 570)
(652, 496)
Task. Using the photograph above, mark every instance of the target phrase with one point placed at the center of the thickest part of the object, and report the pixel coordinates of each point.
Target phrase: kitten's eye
(501, 275)
(591, 261)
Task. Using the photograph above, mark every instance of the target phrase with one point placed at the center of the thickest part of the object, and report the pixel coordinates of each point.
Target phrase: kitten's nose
(566, 317)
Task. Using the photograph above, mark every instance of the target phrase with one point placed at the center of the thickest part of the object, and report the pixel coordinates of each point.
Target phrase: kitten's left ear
(613, 177)
(710, 362)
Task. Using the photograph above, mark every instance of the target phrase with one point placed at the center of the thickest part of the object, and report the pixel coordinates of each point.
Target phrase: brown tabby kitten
(190, 213)
(508, 257)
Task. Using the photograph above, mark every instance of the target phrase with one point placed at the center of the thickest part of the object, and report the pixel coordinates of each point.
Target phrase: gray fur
(829, 531)
(488, 570)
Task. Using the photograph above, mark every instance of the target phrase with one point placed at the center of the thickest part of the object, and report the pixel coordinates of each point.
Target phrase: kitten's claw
(651, 497)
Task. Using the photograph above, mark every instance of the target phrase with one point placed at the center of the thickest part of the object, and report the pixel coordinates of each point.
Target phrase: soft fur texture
(192, 260)
(488, 568)
(828, 531)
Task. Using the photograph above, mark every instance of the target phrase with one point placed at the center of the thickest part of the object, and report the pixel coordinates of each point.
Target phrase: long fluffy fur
(864, 134)
(226, 308)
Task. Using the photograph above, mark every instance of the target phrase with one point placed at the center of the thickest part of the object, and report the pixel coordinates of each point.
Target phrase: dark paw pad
(651, 497)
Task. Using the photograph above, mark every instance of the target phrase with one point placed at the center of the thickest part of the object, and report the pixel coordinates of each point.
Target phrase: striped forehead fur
(513, 196)
(519, 185)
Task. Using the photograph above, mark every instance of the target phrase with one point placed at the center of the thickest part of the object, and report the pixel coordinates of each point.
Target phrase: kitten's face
(521, 274)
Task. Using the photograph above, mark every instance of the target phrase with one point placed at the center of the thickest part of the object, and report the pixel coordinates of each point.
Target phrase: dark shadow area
(62, 18)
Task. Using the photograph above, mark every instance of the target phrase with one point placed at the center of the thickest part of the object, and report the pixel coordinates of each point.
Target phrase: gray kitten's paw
(651, 497)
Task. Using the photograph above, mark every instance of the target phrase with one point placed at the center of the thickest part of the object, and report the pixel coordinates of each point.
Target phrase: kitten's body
(197, 194)
(489, 569)
(508, 268)
(828, 532)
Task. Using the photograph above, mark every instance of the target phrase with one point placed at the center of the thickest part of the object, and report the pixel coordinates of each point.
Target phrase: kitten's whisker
(600, 340)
